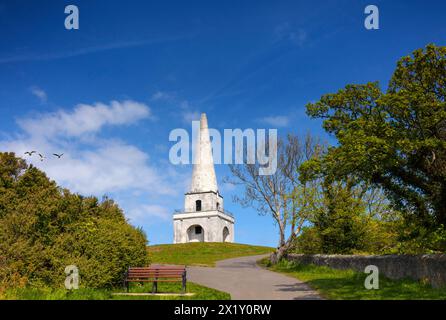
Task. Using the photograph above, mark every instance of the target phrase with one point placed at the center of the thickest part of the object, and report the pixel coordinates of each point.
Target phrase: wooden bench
(155, 274)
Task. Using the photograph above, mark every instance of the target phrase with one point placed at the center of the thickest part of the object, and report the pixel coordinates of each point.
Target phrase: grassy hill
(202, 253)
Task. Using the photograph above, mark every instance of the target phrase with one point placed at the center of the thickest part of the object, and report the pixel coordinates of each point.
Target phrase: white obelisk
(203, 174)
(203, 218)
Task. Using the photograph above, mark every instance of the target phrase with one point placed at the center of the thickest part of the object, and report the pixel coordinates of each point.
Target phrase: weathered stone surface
(205, 221)
(213, 224)
(429, 267)
(203, 174)
(209, 201)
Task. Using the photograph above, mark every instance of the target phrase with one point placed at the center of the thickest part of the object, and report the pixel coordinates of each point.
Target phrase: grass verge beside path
(202, 253)
(349, 284)
(201, 293)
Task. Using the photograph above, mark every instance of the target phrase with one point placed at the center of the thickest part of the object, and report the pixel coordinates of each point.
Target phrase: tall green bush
(395, 139)
(44, 228)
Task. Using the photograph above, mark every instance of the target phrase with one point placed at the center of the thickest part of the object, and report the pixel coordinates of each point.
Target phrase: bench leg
(184, 285)
(155, 287)
(126, 283)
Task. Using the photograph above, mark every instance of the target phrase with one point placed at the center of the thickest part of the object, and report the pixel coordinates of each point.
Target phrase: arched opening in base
(225, 234)
(195, 233)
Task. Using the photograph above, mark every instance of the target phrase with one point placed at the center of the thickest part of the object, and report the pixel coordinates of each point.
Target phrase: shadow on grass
(349, 284)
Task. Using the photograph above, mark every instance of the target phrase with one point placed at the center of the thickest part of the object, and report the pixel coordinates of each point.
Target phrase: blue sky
(108, 94)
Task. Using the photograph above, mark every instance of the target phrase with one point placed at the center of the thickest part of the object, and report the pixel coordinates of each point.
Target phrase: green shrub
(44, 228)
(308, 242)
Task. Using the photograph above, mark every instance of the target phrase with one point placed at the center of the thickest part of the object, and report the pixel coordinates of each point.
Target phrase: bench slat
(159, 270)
(159, 267)
(156, 276)
(146, 280)
(152, 279)
(156, 271)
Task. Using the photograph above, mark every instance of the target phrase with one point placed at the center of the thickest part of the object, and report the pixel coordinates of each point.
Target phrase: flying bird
(30, 153)
(58, 155)
(41, 156)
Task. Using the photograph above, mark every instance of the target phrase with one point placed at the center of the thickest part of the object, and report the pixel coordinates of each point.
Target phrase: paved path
(244, 279)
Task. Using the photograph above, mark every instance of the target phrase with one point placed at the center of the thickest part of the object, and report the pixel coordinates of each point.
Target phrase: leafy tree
(308, 242)
(281, 195)
(396, 139)
(341, 221)
(348, 219)
(44, 228)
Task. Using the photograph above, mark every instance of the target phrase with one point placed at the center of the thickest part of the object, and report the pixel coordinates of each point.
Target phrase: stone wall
(430, 267)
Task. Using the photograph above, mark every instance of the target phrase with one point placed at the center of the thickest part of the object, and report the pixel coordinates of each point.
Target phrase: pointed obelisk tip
(203, 121)
(203, 173)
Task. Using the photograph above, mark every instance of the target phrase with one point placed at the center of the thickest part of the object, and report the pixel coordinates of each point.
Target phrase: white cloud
(189, 116)
(288, 32)
(146, 213)
(88, 50)
(276, 121)
(186, 111)
(39, 93)
(114, 167)
(227, 187)
(90, 165)
(298, 37)
(161, 95)
(85, 119)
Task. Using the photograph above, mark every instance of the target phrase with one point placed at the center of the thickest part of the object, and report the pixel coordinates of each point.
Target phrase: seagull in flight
(58, 155)
(30, 153)
(41, 156)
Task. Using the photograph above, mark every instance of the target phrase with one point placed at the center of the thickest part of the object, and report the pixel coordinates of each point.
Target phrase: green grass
(202, 253)
(349, 285)
(201, 293)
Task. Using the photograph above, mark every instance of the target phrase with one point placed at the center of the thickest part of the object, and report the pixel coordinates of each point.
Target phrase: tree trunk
(281, 252)
(282, 235)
